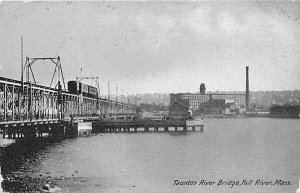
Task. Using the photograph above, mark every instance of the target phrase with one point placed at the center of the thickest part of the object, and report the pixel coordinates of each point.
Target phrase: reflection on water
(228, 149)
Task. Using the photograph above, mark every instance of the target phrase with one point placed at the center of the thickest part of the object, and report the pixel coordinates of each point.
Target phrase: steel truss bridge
(26, 103)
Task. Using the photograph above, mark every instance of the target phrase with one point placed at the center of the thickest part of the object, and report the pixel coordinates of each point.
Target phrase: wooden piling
(3, 133)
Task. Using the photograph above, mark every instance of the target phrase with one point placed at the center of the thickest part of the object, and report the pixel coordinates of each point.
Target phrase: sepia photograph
(150, 96)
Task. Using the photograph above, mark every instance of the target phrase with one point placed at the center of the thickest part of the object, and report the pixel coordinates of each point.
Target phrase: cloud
(199, 20)
(155, 28)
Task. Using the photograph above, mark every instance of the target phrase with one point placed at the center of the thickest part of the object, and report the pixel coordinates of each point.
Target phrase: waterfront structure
(285, 111)
(187, 104)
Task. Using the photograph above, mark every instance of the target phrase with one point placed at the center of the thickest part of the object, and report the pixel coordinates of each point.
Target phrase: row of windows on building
(195, 100)
(213, 96)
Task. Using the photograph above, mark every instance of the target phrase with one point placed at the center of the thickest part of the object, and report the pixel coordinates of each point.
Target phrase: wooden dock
(104, 126)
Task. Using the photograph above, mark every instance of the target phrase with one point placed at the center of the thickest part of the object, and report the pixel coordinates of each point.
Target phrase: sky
(157, 47)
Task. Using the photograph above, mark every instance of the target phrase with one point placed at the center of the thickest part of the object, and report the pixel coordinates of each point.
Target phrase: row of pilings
(112, 126)
(145, 129)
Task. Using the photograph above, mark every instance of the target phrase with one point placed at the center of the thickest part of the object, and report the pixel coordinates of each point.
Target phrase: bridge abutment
(58, 130)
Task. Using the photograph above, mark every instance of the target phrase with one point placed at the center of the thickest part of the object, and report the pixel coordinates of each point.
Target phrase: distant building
(199, 104)
(179, 106)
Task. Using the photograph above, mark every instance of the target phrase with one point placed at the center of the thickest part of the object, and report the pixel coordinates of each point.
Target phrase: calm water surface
(228, 149)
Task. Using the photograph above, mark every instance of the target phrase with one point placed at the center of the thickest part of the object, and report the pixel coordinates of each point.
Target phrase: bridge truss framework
(35, 102)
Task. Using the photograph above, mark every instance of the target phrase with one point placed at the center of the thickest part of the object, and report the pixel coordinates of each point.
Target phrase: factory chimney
(247, 88)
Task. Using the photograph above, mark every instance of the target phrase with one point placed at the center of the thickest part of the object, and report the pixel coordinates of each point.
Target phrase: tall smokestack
(247, 88)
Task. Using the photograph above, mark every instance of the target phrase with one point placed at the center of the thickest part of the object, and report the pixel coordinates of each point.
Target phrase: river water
(231, 150)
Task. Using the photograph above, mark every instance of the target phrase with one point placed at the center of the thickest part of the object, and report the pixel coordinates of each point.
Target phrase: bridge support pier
(40, 131)
(29, 131)
(19, 132)
(70, 130)
(14, 133)
(58, 130)
(9, 133)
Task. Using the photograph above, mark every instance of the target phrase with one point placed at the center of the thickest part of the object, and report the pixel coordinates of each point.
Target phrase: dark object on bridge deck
(76, 87)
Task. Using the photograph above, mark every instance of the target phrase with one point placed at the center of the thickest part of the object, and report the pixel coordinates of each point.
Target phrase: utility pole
(108, 91)
(22, 60)
(117, 94)
(22, 67)
(80, 75)
(122, 100)
(117, 106)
